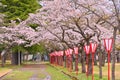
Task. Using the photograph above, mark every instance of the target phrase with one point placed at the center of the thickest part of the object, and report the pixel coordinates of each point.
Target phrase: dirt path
(37, 69)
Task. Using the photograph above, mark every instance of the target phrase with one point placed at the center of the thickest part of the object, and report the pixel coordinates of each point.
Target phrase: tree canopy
(18, 9)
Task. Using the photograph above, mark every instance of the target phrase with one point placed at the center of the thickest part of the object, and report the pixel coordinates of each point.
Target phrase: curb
(5, 73)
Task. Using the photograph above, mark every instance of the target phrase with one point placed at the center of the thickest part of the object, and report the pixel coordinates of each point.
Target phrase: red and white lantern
(108, 44)
(76, 50)
(93, 47)
(87, 49)
(70, 51)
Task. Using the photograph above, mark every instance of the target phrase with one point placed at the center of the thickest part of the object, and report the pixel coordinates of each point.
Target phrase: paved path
(37, 69)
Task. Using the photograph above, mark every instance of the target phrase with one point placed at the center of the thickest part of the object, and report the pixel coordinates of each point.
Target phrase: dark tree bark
(100, 60)
(103, 59)
(100, 65)
(118, 57)
(64, 61)
(113, 54)
(20, 58)
(83, 62)
(95, 59)
(14, 59)
(3, 60)
(3, 57)
(89, 64)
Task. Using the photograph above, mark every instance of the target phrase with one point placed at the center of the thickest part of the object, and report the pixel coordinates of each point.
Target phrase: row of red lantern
(68, 54)
(92, 48)
(57, 58)
(59, 53)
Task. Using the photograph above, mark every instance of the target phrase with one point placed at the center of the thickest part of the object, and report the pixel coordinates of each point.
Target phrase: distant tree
(17, 36)
(18, 9)
(36, 48)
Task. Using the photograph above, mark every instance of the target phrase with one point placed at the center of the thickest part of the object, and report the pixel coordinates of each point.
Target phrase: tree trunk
(83, 62)
(72, 62)
(64, 60)
(26, 57)
(100, 65)
(103, 59)
(14, 59)
(89, 65)
(118, 57)
(95, 59)
(3, 53)
(19, 58)
(3, 61)
(113, 54)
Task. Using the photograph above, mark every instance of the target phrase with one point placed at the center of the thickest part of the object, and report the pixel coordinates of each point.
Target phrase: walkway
(38, 70)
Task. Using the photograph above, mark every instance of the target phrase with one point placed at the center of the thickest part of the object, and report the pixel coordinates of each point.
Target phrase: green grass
(105, 70)
(18, 75)
(80, 76)
(56, 74)
(41, 75)
(96, 72)
(3, 69)
(8, 67)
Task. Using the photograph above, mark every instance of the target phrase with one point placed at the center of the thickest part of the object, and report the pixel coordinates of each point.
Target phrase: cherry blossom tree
(73, 16)
(19, 35)
(75, 22)
(86, 17)
(112, 21)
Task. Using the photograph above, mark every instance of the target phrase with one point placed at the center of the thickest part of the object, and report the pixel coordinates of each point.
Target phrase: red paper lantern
(59, 53)
(70, 51)
(93, 47)
(108, 44)
(66, 53)
(76, 50)
(62, 53)
(87, 49)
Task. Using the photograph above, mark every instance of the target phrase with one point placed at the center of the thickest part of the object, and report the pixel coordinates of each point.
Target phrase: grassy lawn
(18, 75)
(81, 76)
(25, 75)
(3, 69)
(105, 70)
(56, 74)
(15, 74)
